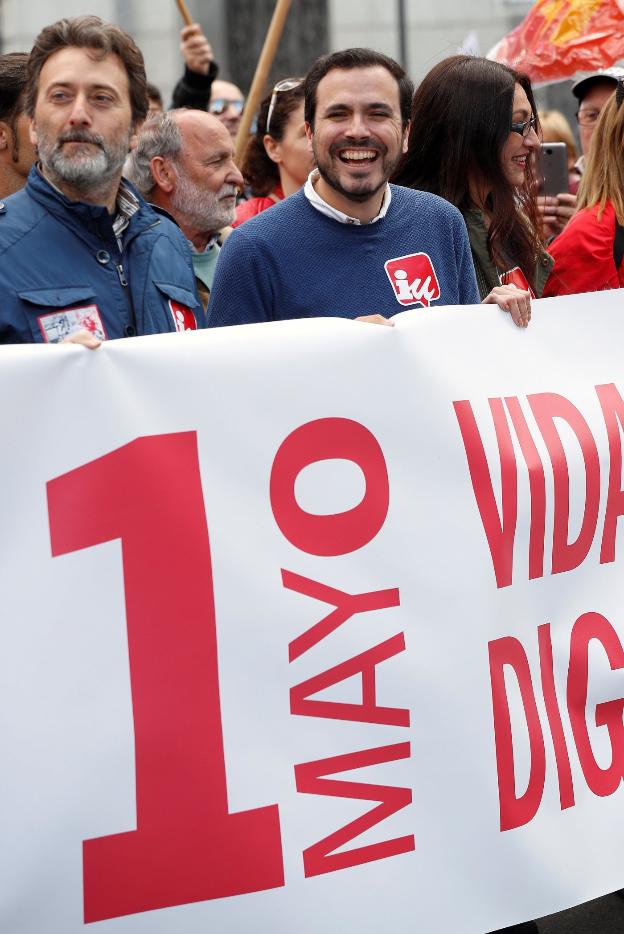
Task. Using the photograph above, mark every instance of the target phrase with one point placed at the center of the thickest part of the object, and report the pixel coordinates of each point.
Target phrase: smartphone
(552, 168)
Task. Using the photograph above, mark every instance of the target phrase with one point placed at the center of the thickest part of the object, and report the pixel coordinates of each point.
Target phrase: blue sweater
(294, 262)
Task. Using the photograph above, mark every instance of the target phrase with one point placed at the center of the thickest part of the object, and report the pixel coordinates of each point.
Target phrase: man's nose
(235, 177)
(357, 126)
(80, 113)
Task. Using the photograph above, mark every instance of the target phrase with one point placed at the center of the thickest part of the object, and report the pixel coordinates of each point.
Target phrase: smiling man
(82, 256)
(349, 244)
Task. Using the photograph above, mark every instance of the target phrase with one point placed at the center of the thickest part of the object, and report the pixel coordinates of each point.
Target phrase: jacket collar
(82, 218)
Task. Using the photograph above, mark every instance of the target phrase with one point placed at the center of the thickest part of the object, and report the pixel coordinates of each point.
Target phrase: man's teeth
(358, 154)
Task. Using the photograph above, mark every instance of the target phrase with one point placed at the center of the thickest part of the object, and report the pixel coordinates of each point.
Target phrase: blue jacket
(61, 268)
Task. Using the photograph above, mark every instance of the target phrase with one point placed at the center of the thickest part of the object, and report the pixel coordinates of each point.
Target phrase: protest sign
(314, 625)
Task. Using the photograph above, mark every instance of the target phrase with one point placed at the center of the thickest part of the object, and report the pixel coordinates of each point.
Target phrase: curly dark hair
(461, 119)
(260, 172)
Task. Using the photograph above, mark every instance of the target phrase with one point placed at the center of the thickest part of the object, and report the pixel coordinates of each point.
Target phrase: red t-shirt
(253, 206)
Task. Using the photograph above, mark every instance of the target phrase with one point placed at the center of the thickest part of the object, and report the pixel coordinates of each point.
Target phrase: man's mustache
(80, 136)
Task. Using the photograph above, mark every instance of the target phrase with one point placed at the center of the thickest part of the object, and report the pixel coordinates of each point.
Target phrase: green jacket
(487, 273)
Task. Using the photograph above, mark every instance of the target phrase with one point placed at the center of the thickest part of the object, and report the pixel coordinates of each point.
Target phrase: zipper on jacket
(121, 274)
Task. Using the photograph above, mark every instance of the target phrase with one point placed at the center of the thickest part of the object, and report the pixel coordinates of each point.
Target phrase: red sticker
(183, 317)
(413, 279)
(516, 277)
(58, 325)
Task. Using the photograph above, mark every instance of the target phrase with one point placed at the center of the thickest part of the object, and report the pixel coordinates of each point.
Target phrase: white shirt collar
(208, 246)
(317, 202)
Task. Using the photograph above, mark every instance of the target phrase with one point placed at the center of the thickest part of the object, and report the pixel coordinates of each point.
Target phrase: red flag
(560, 37)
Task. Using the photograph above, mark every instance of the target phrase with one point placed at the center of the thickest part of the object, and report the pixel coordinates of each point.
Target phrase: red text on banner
(187, 846)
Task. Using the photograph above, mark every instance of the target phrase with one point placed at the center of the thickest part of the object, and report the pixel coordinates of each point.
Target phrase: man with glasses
(199, 88)
(592, 93)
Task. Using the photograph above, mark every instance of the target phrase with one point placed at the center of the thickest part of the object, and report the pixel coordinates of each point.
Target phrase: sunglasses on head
(286, 84)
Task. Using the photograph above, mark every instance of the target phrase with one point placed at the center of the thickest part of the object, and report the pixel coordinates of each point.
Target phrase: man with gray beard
(184, 163)
(82, 256)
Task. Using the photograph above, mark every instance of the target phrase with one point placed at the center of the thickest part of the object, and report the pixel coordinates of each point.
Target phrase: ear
(272, 148)
(134, 136)
(32, 132)
(406, 135)
(309, 131)
(6, 137)
(163, 174)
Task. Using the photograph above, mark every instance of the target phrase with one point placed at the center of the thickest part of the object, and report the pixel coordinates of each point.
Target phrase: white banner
(313, 626)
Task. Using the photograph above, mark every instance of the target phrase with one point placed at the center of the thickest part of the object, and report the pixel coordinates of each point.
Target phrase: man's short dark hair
(153, 94)
(357, 58)
(13, 78)
(100, 39)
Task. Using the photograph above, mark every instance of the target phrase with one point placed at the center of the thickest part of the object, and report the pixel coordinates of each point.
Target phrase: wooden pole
(263, 68)
(184, 10)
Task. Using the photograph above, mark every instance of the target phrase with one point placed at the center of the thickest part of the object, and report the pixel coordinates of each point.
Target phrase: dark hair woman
(278, 158)
(473, 134)
(589, 253)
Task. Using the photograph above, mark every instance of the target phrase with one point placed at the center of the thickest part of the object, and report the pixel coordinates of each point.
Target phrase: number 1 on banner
(187, 847)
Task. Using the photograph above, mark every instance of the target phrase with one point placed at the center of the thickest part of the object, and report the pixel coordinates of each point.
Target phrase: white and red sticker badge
(57, 326)
(413, 279)
(183, 317)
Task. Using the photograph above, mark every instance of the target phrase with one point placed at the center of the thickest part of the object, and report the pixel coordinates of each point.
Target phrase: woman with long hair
(278, 158)
(588, 254)
(472, 141)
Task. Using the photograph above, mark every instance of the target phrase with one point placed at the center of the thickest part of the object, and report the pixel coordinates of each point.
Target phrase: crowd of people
(357, 195)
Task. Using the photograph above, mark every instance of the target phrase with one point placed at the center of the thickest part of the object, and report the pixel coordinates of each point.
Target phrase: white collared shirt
(317, 202)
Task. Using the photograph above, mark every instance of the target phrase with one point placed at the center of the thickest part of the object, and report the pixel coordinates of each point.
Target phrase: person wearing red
(278, 158)
(588, 253)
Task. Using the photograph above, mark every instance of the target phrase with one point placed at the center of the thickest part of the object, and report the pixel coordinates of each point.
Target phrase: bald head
(184, 162)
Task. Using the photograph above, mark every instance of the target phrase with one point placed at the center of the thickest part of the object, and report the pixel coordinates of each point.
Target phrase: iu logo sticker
(413, 279)
(516, 277)
(183, 317)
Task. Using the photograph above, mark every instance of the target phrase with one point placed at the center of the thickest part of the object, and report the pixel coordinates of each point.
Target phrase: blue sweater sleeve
(241, 291)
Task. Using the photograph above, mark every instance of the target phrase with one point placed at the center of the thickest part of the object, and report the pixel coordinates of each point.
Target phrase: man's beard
(330, 175)
(82, 170)
(201, 210)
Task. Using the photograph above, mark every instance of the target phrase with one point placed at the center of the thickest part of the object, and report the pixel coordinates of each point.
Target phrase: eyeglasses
(524, 128)
(286, 84)
(220, 104)
(587, 117)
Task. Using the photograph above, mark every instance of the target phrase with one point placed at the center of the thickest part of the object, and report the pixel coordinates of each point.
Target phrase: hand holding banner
(324, 628)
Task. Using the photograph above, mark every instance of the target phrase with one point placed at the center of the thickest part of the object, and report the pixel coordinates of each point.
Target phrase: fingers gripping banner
(560, 37)
(314, 625)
